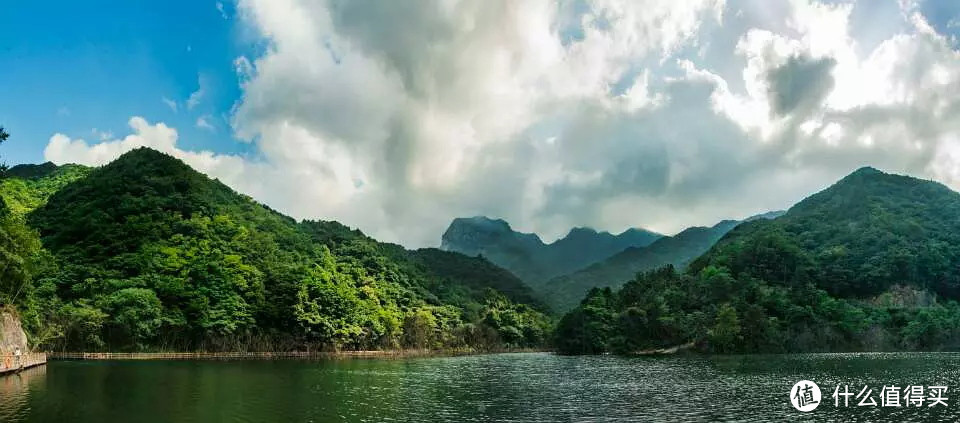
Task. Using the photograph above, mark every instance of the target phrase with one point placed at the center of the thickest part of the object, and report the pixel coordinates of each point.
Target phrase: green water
(504, 387)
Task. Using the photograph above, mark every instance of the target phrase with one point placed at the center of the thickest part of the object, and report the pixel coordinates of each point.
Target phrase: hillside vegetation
(871, 263)
(27, 187)
(564, 292)
(146, 253)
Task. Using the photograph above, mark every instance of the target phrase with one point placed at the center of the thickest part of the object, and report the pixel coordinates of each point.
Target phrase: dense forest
(871, 263)
(147, 254)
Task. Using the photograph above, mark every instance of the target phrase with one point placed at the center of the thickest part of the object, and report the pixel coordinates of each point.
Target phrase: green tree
(725, 336)
(419, 329)
(170, 259)
(588, 328)
(3, 137)
(135, 315)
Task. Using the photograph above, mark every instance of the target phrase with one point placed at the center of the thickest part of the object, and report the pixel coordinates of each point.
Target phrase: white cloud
(63, 149)
(396, 117)
(261, 180)
(203, 122)
(451, 120)
(198, 95)
(243, 68)
(223, 13)
(101, 135)
(170, 103)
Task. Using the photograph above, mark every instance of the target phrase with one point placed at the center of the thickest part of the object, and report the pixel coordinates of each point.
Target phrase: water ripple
(491, 388)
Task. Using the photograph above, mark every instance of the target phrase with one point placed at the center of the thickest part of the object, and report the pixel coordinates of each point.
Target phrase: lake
(528, 387)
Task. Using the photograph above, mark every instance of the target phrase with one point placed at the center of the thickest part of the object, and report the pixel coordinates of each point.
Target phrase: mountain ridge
(146, 253)
(565, 291)
(527, 256)
(867, 264)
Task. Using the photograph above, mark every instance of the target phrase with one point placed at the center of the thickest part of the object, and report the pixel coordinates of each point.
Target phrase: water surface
(503, 387)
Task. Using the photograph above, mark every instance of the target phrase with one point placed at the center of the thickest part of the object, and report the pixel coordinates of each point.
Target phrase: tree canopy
(871, 263)
(146, 253)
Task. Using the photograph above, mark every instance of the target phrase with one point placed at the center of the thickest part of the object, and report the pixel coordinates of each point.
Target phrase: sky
(396, 117)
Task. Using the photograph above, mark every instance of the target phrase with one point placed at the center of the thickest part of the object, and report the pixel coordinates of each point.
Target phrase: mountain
(496, 241)
(528, 257)
(28, 186)
(866, 233)
(565, 291)
(867, 264)
(146, 253)
(24, 188)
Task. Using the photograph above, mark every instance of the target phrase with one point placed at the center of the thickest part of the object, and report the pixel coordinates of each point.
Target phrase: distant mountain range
(562, 272)
(528, 257)
(566, 291)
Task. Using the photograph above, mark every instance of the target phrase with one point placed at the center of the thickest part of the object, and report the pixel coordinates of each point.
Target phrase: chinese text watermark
(806, 396)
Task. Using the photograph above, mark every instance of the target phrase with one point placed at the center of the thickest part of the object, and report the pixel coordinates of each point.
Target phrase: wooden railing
(10, 362)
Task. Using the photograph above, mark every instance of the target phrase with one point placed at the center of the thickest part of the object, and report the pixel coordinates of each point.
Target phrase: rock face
(11, 334)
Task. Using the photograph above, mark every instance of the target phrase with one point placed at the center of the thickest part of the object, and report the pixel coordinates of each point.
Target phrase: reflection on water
(504, 387)
(15, 391)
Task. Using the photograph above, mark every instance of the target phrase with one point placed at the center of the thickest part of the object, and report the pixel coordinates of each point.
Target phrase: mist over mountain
(528, 257)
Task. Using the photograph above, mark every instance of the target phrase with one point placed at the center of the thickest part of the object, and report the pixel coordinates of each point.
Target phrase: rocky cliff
(11, 334)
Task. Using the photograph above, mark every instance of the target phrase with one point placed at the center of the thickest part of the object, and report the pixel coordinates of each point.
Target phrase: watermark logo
(805, 396)
(892, 396)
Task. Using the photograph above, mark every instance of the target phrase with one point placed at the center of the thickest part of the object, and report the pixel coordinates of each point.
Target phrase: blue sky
(72, 67)
(396, 117)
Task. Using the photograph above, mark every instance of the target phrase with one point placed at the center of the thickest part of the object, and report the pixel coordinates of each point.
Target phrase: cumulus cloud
(63, 149)
(395, 118)
(101, 135)
(234, 170)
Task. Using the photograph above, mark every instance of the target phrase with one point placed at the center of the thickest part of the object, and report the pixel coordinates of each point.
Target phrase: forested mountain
(146, 253)
(528, 257)
(28, 186)
(871, 263)
(565, 292)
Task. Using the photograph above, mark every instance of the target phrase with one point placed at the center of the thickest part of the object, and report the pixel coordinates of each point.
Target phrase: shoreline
(266, 355)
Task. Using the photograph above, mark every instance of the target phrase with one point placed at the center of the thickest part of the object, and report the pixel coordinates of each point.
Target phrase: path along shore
(10, 364)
